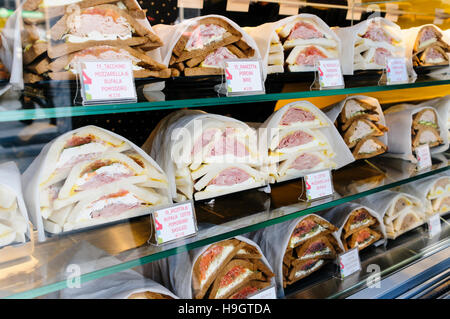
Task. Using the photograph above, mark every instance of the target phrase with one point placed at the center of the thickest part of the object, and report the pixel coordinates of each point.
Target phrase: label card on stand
(174, 222)
(267, 293)
(288, 9)
(396, 72)
(191, 4)
(329, 74)
(349, 263)
(238, 5)
(106, 82)
(243, 76)
(318, 185)
(423, 157)
(434, 225)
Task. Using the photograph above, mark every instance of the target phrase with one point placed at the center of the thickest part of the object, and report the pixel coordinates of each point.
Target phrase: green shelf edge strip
(36, 292)
(72, 111)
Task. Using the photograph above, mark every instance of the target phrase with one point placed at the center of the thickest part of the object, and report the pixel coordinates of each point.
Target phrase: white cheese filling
(359, 224)
(95, 36)
(221, 188)
(304, 272)
(216, 263)
(223, 291)
(317, 253)
(129, 200)
(296, 239)
(110, 171)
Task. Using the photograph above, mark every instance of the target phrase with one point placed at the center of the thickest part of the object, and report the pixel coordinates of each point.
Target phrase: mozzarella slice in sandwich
(300, 164)
(216, 59)
(440, 187)
(210, 262)
(276, 58)
(114, 202)
(73, 148)
(276, 48)
(303, 58)
(302, 117)
(220, 179)
(89, 176)
(369, 147)
(304, 32)
(427, 135)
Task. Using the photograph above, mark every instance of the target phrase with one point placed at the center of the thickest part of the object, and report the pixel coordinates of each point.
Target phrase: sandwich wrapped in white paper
(426, 46)
(433, 191)
(300, 139)
(366, 45)
(91, 176)
(400, 212)
(14, 224)
(229, 269)
(199, 45)
(301, 38)
(442, 105)
(361, 122)
(206, 155)
(413, 125)
(298, 247)
(358, 226)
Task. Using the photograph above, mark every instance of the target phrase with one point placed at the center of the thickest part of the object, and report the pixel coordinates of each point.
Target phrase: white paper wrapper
(380, 203)
(348, 36)
(162, 143)
(339, 215)
(32, 176)
(170, 34)
(336, 143)
(422, 190)
(177, 270)
(10, 179)
(11, 50)
(273, 241)
(399, 123)
(262, 34)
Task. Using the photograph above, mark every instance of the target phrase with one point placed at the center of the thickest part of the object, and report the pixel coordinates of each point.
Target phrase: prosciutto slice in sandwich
(303, 58)
(376, 41)
(65, 67)
(213, 180)
(305, 31)
(430, 48)
(104, 22)
(205, 44)
(297, 115)
(309, 227)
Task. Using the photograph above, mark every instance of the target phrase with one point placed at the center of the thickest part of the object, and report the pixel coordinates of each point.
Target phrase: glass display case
(39, 112)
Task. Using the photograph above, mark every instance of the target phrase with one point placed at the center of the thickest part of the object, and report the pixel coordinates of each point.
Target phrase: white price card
(267, 293)
(238, 5)
(106, 81)
(174, 222)
(396, 72)
(192, 4)
(423, 156)
(243, 76)
(434, 225)
(330, 73)
(318, 185)
(349, 263)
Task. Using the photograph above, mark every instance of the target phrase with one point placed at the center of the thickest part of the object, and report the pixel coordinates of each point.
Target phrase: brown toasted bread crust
(358, 155)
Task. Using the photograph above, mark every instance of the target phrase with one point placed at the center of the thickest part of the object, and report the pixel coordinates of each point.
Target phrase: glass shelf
(56, 100)
(121, 246)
